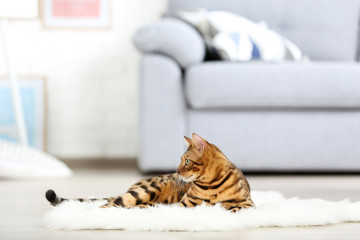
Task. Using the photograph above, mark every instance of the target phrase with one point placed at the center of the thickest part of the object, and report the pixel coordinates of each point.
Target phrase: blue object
(7, 117)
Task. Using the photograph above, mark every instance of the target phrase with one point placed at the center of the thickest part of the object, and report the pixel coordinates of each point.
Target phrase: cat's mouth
(187, 179)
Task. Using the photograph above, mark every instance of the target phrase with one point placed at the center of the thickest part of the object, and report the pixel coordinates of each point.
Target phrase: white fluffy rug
(272, 209)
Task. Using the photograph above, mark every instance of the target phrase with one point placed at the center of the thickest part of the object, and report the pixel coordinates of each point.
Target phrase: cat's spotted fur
(204, 175)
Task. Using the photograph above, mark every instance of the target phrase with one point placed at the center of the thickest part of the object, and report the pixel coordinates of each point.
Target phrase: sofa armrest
(162, 113)
(174, 38)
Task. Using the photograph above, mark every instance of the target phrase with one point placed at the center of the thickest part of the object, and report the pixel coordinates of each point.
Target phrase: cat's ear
(199, 142)
(188, 141)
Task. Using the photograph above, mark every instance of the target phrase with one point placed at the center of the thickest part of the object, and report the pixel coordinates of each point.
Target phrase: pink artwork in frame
(76, 13)
(76, 9)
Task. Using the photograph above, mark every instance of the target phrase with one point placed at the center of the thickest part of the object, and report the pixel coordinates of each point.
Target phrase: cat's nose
(178, 171)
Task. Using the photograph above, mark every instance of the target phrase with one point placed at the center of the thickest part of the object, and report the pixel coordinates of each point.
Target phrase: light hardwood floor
(22, 205)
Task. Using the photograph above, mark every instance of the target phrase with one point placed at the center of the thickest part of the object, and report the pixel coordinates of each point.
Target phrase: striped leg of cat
(142, 194)
(235, 207)
(133, 198)
(189, 201)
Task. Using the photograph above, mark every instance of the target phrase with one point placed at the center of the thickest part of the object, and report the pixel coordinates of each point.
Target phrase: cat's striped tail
(55, 200)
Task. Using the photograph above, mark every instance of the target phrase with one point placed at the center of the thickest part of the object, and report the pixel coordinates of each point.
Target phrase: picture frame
(34, 102)
(76, 14)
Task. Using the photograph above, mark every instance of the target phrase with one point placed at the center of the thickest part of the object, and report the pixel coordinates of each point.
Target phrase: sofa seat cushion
(227, 85)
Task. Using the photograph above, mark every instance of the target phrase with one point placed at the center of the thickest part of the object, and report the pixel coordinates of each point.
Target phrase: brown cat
(204, 175)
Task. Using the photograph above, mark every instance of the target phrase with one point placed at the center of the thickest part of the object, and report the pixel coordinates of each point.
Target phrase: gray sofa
(265, 117)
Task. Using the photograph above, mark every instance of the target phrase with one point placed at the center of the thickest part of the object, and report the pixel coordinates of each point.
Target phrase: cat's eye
(187, 161)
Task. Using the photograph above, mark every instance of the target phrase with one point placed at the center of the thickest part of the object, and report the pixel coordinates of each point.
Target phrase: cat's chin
(187, 179)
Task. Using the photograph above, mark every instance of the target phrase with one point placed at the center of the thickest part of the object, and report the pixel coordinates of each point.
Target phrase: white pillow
(237, 38)
(18, 161)
(234, 46)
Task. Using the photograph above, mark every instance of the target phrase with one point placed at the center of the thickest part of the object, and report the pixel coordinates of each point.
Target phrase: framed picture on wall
(76, 14)
(33, 96)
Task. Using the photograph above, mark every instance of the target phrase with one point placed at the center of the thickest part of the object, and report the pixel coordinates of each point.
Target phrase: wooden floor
(22, 205)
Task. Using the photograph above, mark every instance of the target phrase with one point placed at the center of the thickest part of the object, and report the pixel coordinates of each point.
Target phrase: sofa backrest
(323, 29)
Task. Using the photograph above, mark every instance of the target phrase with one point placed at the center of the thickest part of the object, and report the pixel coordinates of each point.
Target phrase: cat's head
(201, 160)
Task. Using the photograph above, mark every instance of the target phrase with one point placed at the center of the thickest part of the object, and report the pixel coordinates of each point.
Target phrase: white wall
(92, 80)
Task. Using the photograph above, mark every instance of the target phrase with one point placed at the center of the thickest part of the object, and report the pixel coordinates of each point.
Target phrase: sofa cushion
(227, 85)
